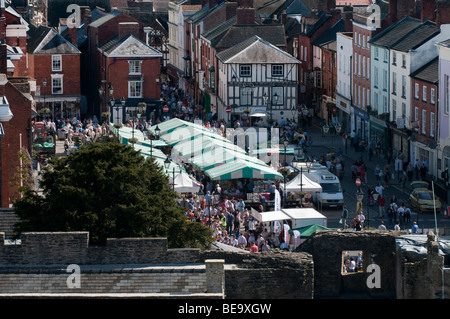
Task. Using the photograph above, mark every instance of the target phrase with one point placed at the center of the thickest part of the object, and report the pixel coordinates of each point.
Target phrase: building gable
(255, 50)
(130, 46)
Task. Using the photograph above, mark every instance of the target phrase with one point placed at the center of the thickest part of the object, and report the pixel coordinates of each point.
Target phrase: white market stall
(185, 184)
(305, 216)
(299, 217)
(301, 183)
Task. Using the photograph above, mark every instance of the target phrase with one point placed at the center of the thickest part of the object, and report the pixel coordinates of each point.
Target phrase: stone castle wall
(38, 265)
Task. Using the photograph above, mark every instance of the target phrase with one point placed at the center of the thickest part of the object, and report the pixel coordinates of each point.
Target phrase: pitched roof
(392, 34)
(272, 33)
(45, 40)
(328, 39)
(255, 49)
(129, 45)
(215, 33)
(103, 19)
(417, 36)
(428, 72)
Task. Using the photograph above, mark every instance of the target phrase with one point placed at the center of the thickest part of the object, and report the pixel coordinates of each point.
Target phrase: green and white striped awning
(241, 169)
(220, 156)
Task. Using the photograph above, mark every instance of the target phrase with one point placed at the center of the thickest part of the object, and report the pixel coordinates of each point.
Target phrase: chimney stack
(245, 13)
(126, 28)
(347, 15)
(230, 10)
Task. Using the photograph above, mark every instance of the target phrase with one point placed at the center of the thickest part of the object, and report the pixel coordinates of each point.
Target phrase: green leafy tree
(110, 190)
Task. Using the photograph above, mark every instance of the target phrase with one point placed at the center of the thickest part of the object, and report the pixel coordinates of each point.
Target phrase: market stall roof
(303, 213)
(146, 150)
(201, 144)
(184, 183)
(308, 185)
(265, 217)
(188, 133)
(172, 124)
(220, 156)
(124, 133)
(307, 231)
(241, 169)
(274, 150)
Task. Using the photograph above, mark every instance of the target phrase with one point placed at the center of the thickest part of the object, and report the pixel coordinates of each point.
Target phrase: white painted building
(177, 13)
(257, 76)
(344, 48)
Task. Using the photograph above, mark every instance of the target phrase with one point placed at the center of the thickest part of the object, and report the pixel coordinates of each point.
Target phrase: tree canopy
(112, 191)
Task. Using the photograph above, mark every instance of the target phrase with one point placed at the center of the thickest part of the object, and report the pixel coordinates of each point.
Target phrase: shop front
(60, 109)
(379, 136)
(361, 123)
(344, 113)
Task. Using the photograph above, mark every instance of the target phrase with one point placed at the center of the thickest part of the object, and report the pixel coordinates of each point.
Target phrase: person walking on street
(381, 204)
(344, 216)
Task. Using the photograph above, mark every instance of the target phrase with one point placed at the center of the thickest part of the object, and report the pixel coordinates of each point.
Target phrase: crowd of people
(232, 223)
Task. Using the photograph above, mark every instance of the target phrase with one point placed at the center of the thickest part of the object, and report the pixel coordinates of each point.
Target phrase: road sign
(358, 182)
(166, 108)
(228, 109)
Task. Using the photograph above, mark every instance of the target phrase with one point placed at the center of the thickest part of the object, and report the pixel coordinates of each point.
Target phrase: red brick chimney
(73, 34)
(442, 13)
(427, 8)
(230, 10)
(245, 13)
(245, 16)
(283, 17)
(393, 10)
(347, 15)
(125, 28)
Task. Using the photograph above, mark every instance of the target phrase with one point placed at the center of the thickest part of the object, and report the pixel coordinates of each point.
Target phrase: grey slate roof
(54, 44)
(392, 34)
(328, 39)
(214, 33)
(104, 19)
(429, 72)
(272, 33)
(416, 37)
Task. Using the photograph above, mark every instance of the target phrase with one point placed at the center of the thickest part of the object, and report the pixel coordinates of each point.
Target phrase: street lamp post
(375, 198)
(167, 162)
(103, 94)
(112, 102)
(359, 198)
(285, 143)
(266, 102)
(308, 166)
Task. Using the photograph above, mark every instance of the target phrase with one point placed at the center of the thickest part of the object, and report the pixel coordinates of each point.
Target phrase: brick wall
(17, 131)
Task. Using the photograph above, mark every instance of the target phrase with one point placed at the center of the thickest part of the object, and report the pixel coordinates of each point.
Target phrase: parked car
(421, 197)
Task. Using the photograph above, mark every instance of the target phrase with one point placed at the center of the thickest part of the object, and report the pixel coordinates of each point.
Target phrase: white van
(331, 195)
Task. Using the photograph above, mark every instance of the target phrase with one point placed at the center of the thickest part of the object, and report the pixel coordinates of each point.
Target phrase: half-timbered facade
(256, 77)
